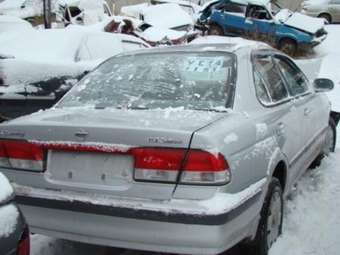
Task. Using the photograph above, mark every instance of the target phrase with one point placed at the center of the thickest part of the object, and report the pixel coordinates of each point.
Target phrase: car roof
(242, 2)
(230, 46)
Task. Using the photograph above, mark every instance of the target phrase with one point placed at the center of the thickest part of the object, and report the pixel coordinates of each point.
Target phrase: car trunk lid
(90, 150)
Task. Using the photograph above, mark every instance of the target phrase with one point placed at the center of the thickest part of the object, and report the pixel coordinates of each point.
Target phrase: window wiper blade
(210, 110)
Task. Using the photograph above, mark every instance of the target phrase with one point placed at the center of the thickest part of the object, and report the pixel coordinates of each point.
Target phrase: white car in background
(10, 24)
(21, 8)
(158, 15)
(327, 9)
(37, 75)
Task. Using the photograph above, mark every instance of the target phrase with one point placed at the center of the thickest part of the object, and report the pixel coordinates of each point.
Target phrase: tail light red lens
(21, 155)
(24, 243)
(157, 164)
(164, 165)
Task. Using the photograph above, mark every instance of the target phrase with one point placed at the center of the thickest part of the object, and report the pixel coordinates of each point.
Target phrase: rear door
(273, 93)
(309, 107)
(260, 23)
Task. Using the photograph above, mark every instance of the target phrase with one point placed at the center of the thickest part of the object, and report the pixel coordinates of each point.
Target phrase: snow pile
(312, 218)
(6, 189)
(8, 219)
(9, 213)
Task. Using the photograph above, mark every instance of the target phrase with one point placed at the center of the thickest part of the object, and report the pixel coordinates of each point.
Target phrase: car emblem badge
(81, 135)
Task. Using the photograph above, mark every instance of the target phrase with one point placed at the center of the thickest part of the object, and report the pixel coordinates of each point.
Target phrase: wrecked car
(266, 21)
(81, 12)
(153, 35)
(158, 15)
(37, 76)
(326, 9)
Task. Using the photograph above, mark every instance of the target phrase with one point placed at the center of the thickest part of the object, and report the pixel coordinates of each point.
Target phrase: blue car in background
(265, 21)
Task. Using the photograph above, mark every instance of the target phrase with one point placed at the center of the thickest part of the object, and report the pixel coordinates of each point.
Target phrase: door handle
(280, 129)
(307, 112)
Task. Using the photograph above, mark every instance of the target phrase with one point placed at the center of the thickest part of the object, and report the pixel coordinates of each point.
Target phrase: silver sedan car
(187, 150)
(327, 9)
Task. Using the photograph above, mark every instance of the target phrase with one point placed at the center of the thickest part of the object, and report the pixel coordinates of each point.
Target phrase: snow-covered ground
(311, 221)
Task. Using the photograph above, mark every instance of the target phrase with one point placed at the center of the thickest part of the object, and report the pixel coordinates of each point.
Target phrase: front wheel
(215, 30)
(270, 226)
(288, 46)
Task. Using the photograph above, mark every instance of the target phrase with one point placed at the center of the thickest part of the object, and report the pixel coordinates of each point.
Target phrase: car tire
(270, 225)
(215, 30)
(329, 144)
(288, 46)
(326, 16)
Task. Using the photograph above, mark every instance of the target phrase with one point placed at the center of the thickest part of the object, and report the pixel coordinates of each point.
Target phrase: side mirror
(323, 85)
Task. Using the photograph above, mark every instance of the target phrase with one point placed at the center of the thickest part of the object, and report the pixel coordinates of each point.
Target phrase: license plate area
(89, 169)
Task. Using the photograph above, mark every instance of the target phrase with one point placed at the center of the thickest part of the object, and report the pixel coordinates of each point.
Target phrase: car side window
(271, 77)
(296, 80)
(260, 88)
(258, 12)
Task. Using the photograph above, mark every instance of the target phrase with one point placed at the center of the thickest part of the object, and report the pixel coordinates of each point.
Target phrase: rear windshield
(161, 80)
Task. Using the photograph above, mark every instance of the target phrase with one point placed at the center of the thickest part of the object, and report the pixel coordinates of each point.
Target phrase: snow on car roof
(233, 42)
(243, 2)
(158, 15)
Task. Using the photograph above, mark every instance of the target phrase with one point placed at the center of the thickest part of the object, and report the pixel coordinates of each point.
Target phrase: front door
(260, 23)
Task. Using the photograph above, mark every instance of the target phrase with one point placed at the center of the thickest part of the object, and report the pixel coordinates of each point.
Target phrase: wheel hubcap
(274, 219)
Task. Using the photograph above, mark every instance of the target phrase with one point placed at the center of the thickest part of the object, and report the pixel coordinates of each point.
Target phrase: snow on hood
(6, 190)
(236, 42)
(134, 10)
(158, 15)
(155, 34)
(300, 21)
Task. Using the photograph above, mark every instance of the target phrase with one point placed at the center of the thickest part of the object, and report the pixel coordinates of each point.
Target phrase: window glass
(296, 81)
(152, 81)
(335, 2)
(271, 77)
(260, 87)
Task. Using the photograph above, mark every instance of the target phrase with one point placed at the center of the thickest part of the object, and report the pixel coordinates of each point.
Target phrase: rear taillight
(24, 243)
(21, 155)
(157, 164)
(194, 166)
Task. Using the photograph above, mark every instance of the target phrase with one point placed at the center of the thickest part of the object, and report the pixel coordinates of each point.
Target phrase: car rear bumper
(177, 227)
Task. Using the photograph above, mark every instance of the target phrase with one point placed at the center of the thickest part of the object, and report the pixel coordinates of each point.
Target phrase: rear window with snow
(159, 80)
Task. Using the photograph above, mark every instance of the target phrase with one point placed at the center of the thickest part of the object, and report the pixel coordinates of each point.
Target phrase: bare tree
(47, 13)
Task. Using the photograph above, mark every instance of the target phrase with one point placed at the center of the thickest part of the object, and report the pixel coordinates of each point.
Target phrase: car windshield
(201, 81)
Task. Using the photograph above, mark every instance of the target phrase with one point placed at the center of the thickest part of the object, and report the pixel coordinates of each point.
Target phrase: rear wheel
(288, 46)
(215, 30)
(270, 226)
(326, 16)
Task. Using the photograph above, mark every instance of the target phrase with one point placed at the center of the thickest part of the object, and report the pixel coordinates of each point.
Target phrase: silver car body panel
(168, 217)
